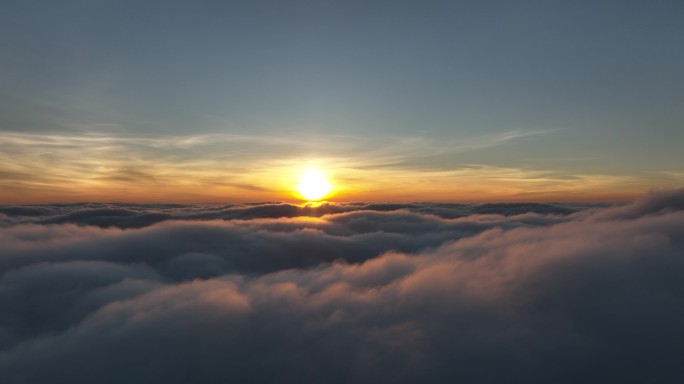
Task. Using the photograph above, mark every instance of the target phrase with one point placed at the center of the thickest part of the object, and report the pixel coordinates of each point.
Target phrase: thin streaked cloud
(245, 167)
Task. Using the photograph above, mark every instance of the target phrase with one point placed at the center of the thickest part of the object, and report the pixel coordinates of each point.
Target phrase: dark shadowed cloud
(357, 293)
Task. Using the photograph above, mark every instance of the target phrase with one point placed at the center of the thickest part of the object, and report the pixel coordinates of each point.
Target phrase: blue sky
(567, 89)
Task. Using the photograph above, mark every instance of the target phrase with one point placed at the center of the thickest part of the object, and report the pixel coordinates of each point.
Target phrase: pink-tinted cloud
(590, 296)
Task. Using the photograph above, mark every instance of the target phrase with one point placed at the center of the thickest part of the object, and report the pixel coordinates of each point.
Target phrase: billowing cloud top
(361, 293)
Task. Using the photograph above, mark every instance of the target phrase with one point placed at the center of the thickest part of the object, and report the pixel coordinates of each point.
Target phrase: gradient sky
(396, 100)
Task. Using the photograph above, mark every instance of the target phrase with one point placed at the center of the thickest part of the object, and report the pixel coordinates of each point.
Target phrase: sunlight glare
(313, 185)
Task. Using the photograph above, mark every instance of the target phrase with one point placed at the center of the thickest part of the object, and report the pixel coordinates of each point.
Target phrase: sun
(313, 185)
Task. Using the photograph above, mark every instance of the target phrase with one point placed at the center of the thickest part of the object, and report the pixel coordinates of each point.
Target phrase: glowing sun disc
(313, 185)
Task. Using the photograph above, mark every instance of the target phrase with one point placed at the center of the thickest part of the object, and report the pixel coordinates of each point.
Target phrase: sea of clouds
(343, 293)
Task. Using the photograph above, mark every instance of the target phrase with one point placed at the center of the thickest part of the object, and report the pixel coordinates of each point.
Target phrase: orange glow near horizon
(285, 181)
(66, 169)
(293, 187)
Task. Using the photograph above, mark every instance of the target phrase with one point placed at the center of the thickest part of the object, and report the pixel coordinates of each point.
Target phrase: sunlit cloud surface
(358, 292)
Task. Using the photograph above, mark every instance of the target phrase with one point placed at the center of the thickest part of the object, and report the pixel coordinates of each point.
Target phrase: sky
(227, 101)
(341, 191)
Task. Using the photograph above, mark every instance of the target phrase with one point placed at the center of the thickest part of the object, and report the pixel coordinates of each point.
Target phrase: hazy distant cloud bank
(124, 215)
(365, 293)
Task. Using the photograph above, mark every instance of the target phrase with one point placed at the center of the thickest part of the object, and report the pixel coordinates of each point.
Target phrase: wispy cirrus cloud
(252, 167)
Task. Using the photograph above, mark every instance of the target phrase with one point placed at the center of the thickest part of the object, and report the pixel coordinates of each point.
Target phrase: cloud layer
(362, 293)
